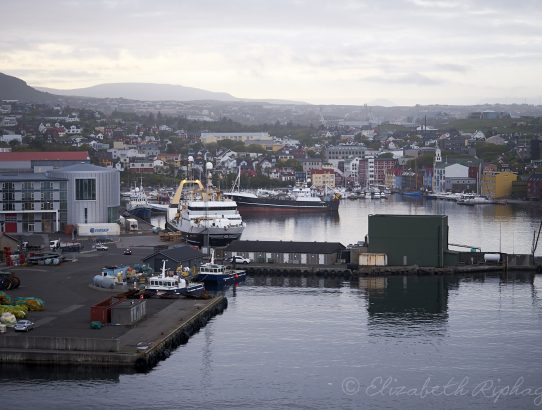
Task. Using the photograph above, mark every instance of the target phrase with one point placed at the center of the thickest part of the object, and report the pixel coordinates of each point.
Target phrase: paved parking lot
(68, 297)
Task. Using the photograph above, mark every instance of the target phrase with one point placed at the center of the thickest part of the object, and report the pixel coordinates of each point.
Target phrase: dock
(139, 347)
(63, 335)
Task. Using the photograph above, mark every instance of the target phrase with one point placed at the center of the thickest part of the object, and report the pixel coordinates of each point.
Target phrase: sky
(400, 52)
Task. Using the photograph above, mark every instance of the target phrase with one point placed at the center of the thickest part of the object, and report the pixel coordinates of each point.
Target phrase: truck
(98, 229)
(65, 246)
(43, 258)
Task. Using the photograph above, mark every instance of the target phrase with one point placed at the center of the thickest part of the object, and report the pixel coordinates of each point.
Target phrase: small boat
(216, 275)
(165, 286)
(473, 199)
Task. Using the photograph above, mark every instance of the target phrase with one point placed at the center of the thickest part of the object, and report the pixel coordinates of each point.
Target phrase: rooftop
(45, 156)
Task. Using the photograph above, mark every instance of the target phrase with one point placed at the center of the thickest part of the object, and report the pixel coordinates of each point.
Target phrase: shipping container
(98, 229)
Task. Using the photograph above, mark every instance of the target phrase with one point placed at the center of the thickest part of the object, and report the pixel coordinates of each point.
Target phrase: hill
(144, 92)
(13, 88)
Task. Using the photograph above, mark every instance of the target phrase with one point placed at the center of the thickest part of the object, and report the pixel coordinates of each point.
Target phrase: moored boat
(165, 286)
(216, 275)
(298, 199)
(203, 215)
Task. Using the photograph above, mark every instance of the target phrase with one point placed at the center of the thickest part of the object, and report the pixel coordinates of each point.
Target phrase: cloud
(405, 79)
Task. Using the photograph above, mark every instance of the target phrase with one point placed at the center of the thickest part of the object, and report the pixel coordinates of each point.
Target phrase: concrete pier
(63, 336)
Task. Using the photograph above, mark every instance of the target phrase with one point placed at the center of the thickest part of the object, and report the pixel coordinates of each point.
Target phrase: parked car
(239, 259)
(101, 247)
(104, 239)
(23, 325)
(127, 251)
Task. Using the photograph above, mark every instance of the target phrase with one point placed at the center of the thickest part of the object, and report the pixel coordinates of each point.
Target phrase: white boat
(172, 286)
(202, 215)
(473, 199)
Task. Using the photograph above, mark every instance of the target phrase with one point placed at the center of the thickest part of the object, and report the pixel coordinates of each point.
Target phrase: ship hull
(283, 205)
(217, 237)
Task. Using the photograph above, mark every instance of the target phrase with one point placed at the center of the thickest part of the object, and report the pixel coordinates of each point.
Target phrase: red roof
(45, 156)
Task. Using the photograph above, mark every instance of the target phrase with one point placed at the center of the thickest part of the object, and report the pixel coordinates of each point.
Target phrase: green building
(410, 239)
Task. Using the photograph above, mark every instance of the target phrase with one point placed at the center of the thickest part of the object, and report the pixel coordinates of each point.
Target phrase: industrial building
(184, 255)
(93, 193)
(47, 202)
(32, 203)
(310, 253)
(40, 161)
(411, 239)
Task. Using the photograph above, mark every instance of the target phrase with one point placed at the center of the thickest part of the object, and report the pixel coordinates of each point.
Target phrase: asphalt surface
(68, 296)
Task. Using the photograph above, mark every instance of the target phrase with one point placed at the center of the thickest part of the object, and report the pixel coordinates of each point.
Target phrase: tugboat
(215, 275)
(164, 286)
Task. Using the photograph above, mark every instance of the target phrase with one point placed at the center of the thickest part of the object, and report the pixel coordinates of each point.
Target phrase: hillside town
(494, 154)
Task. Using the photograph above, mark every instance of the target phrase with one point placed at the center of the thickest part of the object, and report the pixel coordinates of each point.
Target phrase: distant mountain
(144, 92)
(13, 88)
(155, 92)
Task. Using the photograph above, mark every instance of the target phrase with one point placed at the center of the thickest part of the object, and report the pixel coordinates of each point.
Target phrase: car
(104, 239)
(23, 326)
(239, 259)
(127, 251)
(101, 247)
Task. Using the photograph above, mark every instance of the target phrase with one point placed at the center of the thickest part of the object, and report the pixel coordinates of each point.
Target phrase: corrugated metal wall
(409, 239)
(107, 195)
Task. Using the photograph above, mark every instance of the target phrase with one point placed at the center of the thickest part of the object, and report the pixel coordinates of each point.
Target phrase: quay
(62, 333)
(351, 273)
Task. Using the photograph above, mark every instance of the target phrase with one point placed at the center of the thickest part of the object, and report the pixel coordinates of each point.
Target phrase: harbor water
(462, 342)
(492, 228)
(412, 343)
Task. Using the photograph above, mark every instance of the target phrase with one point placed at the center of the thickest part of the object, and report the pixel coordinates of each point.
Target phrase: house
(184, 255)
(301, 253)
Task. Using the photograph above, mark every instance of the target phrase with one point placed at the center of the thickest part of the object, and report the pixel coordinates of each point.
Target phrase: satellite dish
(190, 158)
(209, 166)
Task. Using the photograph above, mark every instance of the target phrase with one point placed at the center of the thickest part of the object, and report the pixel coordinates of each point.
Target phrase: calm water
(410, 343)
(493, 228)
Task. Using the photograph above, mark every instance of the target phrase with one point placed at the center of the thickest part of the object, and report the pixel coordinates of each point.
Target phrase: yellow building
(497, 185)
(323, 178)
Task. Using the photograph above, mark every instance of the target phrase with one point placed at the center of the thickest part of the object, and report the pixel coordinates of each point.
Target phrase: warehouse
(303, 253)
(410, 239)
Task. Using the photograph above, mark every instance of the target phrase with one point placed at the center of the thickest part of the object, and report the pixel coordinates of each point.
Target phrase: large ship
(298, 199)
(202, 215)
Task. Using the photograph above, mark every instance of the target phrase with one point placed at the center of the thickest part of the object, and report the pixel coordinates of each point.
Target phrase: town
(491, 153)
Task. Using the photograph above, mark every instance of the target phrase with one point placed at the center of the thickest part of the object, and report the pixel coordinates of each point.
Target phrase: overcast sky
(323, 52)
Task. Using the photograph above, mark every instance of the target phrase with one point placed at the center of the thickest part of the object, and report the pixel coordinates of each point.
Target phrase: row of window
(27, 186)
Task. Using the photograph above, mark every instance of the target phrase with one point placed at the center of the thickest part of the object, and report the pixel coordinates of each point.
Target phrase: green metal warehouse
(410, 239)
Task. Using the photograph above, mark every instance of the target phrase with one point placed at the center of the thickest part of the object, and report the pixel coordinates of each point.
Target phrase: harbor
(63, 335)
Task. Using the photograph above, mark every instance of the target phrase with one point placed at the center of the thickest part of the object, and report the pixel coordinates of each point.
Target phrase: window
(47, 185)
(85, 189)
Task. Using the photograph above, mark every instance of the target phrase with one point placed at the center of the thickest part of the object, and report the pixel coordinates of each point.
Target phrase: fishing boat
(217, 275)
(298, 199)
(202, 215)
(138, 204)
(165, 286)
